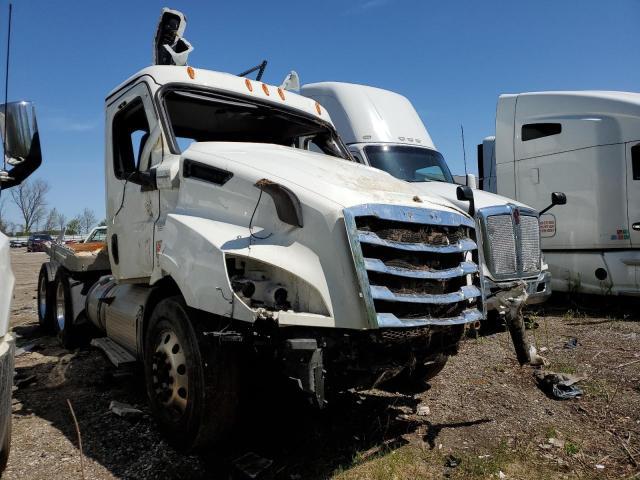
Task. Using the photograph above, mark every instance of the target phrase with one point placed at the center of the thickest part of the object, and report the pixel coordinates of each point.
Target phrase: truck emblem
(516, 216)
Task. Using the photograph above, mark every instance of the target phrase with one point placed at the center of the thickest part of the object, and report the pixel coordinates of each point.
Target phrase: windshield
(197, 116)
(412, 164)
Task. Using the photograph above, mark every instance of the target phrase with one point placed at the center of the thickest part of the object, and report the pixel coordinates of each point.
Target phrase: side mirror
(465, 194)
(20, 137)
(557, 198)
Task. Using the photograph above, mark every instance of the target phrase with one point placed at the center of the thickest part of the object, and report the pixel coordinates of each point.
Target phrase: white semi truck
(383, 130)
(586, 143)
(230, 242)
(22, 153)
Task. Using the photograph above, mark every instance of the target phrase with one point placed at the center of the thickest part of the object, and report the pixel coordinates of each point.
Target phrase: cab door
(633, 192)
(132, 205)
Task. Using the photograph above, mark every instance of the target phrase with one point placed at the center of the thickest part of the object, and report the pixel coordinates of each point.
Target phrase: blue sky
(451, 59)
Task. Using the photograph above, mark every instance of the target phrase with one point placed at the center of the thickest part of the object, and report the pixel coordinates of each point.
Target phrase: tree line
(30, 200)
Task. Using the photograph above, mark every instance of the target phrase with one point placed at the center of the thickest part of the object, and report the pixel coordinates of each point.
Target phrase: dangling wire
(251, 221)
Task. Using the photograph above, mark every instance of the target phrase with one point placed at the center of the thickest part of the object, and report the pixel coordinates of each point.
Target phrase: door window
(130, 133)
(635, 161)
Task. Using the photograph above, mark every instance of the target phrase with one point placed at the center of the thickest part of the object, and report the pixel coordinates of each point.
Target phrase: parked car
(17, 243)
(36, 242)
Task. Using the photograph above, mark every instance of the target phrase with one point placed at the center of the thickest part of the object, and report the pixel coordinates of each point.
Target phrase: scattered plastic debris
(452, 462)
(599, 466)
(559, 385)
(571, 343)
(536, 360)
(501, 475)
(556, 442)
(423, 410)
(251, 465)
(123, 409)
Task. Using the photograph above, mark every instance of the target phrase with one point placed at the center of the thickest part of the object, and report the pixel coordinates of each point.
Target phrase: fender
(203, 279)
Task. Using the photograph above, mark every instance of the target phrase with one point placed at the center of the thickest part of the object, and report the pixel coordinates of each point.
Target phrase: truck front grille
(415, 266)
(511, 241)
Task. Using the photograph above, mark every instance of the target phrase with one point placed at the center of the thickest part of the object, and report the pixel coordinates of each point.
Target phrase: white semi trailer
(586, 143)
(383, 130)
(229, 242)
(22, 153)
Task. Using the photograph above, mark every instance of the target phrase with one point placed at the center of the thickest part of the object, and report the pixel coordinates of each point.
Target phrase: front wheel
(192, 382)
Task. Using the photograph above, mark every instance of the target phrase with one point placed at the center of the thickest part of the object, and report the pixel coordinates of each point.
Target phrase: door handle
(636, 226)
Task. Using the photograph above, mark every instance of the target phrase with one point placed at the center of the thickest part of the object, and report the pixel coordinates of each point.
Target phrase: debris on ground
(23, 381)
(452, 462)
(251, 465)
(561, 386)
(123, 409)
(31, 347)
(423, 410)
(571, 343)
(536, 360)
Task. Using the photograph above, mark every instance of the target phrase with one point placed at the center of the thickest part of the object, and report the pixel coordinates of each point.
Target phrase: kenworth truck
(383, 130)
(588, 144)
(230, 241)
(22, 153)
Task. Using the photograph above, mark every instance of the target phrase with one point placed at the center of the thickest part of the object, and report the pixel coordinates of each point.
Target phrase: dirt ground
(486, 417)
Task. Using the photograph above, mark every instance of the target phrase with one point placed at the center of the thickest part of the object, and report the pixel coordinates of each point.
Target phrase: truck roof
(368, 114)
(586, 118)
(227, 82)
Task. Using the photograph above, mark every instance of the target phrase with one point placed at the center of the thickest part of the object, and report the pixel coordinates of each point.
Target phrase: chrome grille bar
(389, 320)
(460, 246)
(465, 293)
(377, 265)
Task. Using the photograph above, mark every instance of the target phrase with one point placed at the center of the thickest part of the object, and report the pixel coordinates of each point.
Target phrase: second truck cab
(383, 130)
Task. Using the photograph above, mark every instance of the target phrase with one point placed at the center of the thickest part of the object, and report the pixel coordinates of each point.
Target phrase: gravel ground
(486, 417)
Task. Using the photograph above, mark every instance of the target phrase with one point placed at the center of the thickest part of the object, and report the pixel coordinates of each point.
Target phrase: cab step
(114, 352)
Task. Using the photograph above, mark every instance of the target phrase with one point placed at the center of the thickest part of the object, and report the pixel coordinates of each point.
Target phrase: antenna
(6, 93)
(464, 150)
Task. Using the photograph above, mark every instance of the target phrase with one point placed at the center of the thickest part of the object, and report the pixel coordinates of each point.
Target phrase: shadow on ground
(276, 424)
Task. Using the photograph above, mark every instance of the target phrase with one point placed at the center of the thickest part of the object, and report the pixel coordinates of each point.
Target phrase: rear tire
(46, 301)
(192, 381)
(69, 334)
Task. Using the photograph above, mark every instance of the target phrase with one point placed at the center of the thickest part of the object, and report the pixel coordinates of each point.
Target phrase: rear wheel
(192, 382)
(46, 301)
(70, 335)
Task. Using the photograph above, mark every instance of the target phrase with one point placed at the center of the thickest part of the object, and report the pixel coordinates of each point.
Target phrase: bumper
(538, 289)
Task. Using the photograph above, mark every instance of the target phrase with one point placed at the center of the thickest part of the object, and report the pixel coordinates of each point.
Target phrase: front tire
(46, 301)
(192, 382)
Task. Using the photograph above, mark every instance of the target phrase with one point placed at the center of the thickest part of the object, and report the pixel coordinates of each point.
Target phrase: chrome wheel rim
(42, 298)
(170, 380)
(60, 305)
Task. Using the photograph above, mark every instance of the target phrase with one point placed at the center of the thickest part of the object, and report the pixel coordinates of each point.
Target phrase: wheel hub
(42, 298)
(60, 306)
(170, 380)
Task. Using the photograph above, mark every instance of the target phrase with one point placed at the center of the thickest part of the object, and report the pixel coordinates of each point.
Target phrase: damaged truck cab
(238, 228)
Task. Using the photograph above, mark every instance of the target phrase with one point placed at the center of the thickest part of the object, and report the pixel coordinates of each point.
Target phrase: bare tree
(73, 227)
(87, 219)
(30, 199)
(61, 221)
(52, 220)
(4, 225)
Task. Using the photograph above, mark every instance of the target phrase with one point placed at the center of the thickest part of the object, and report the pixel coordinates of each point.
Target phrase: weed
(571, 448)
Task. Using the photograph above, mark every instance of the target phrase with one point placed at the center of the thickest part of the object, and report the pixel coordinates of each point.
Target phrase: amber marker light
(318, 108)
(281, 93)
(191, 72)
(247, 82)
(265, 89)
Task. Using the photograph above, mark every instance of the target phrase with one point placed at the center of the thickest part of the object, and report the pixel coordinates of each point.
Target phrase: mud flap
(303, 364)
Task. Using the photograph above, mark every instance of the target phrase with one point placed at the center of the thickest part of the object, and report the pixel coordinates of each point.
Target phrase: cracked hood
(340, 181)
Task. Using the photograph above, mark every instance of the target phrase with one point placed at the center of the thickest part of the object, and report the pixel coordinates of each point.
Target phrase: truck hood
(482, 199)
(340, 181)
